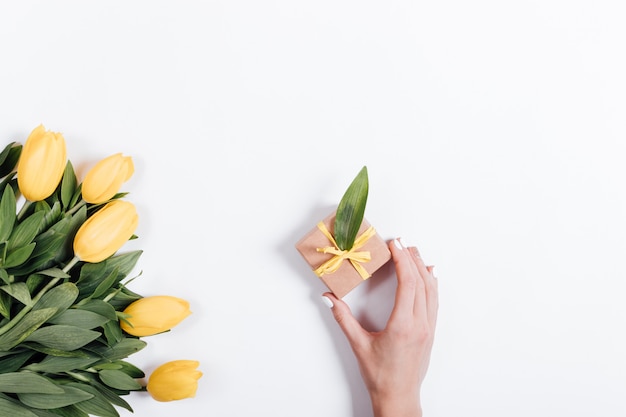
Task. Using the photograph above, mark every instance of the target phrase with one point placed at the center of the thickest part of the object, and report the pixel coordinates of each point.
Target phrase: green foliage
(351, 210)
(61, 347)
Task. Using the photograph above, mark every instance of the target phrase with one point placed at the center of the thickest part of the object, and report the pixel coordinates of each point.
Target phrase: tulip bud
(174, 380)
(104, 180)
(106, 231)
(151, 315)
(41, 164)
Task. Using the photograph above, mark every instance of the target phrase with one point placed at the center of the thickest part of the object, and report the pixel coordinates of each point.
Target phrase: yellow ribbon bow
(355, 258)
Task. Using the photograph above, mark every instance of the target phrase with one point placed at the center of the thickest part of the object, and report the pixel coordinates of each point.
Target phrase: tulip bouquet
(68, 320)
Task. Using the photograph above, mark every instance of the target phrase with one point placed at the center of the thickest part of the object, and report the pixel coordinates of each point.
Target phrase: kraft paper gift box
(350, 272)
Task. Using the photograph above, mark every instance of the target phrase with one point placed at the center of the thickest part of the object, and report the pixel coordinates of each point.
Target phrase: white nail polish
(328, 301)
(398, 243)
(404, 245)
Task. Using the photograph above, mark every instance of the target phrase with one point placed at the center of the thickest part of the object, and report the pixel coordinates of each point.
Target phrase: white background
(494, 135)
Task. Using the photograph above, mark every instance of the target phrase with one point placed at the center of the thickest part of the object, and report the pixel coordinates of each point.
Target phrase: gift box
(342, 271)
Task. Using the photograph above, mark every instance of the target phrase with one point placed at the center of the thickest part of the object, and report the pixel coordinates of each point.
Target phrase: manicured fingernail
(398, 243)
(328, 301)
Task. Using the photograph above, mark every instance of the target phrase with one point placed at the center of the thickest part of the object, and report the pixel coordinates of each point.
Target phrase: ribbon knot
(353, 255)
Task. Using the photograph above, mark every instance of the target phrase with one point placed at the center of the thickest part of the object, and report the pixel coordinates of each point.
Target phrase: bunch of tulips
(68, 320)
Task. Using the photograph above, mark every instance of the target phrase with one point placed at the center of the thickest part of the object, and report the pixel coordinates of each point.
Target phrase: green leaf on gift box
(63, 337)
(351, 210)
(23, 382)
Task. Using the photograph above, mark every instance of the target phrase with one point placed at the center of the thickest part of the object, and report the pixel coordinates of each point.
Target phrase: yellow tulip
(151, 315)
(106, 231)
(174, 380)
(41, 164)
(104, 180)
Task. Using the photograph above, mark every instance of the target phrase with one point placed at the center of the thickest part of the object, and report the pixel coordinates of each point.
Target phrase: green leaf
(9, 157)
(105, 284)
(119, 380)
(19, 256)
(80, 318)
(57, 364)
(70, 395)
(98, 405)
(52, 214)
(19, 291)
(111, 396)
(60, 297)
(113, 332)
(5, 304)
(68, 185)
(4, 276)
(28, 324)
(9, 407)
(8, 207)
(351, 210)
(131, 369)
(27, 382)
(12, 363)
(100, 307)
(69, 411)
(91, 274)
(51, 244)
(64, 337)
(121, 350)
(26, 231)
(56, 352)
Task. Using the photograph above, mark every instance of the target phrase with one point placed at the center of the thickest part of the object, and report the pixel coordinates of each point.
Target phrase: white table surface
(494, 137)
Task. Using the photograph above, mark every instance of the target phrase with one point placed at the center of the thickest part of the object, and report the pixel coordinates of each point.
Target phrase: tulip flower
(106, 231)
(174, 380)
(104, 180)
(41, 164)
(152, 315)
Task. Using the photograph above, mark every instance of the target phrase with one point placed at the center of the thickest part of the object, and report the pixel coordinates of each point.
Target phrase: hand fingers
(410, 294)
(356, 335)
(430, 282)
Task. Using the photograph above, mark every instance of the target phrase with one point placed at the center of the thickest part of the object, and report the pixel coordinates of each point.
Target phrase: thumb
(355, 334)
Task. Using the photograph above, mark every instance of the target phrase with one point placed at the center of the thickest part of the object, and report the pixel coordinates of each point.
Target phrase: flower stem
(34, 301)
(24, 208)
(70, 264)
(76, 207)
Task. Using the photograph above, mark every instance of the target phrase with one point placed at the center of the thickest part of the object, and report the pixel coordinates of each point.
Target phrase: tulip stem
(76, 207)
(70, 264)
(23, 210)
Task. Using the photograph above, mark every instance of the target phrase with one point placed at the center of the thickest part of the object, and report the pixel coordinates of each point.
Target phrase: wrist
(396, 405)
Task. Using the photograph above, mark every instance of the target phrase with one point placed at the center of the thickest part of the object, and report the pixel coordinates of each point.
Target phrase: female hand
(394, 361)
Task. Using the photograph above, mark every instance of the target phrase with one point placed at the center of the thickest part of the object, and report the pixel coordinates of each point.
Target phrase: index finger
(410, 294)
